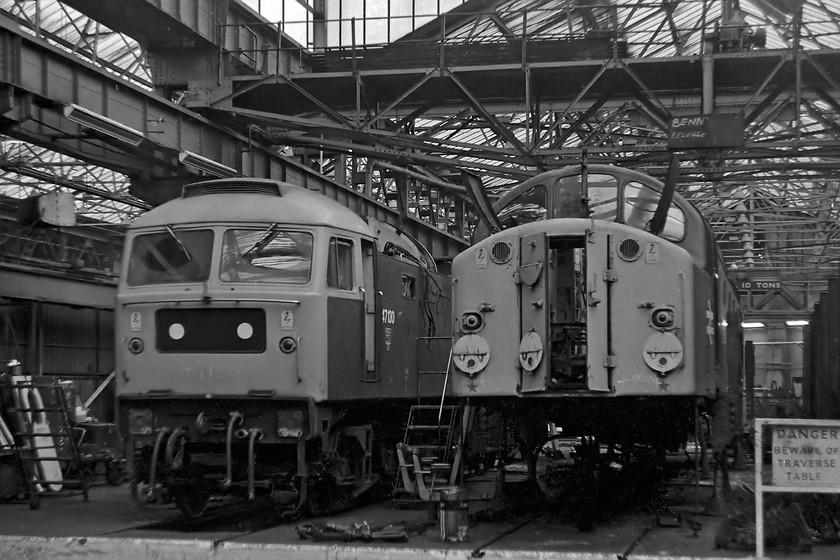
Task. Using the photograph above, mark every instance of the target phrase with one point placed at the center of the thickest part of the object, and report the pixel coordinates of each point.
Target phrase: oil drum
(453, 514)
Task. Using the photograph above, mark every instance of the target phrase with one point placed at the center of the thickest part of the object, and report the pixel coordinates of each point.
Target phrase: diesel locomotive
(268, 340)
(599, 312)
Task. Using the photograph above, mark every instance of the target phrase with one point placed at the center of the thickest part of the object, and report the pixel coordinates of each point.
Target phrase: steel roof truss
(820, 116)
(669, 8)
(603, 123)
(494, 123)
(649, 97)
(583, 91)
(399, 99)
(590, 111)
(326, 109)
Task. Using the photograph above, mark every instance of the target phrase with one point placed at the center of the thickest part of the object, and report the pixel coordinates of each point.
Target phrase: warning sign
(806, 455)
(806, 459)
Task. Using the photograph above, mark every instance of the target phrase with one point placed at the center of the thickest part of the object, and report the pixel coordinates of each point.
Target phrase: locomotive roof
(699, 237)
(626, 174)
(253, 200)
(570, 170)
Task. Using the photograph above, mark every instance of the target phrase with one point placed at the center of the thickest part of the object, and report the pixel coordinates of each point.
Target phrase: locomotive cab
(602, 306)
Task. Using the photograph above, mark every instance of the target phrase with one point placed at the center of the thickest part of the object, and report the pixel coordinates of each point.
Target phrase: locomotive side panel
(736, 379)
(703, 307)
(401, 311)
(398, 326)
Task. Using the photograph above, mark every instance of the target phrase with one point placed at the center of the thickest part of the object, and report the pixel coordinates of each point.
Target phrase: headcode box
(806, 455)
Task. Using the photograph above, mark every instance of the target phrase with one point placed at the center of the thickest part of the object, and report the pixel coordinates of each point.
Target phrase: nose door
(600, 275)
(533, 304)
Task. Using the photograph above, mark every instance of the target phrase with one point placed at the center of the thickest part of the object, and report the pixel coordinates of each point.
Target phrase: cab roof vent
(231, 187)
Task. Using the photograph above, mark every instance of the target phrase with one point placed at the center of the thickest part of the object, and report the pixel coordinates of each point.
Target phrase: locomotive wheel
(567, 473)
(553, 466)
(192, 502)
(139, 492)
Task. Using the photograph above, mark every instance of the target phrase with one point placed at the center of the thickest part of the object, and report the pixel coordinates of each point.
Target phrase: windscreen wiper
(179, 242)
(267, 236)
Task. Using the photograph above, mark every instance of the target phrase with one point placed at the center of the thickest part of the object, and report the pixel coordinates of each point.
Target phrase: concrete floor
(110, 525)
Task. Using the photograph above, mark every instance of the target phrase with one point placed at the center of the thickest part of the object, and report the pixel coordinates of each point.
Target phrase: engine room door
(371, 367)
(534, 343)
(599, 277)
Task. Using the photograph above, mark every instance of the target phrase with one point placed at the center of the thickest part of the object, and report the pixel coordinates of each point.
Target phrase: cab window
(340, 264)
(639, 206)
(528, 207)
(266, 255)
(568, 198)
(602, 191)
(170, 257)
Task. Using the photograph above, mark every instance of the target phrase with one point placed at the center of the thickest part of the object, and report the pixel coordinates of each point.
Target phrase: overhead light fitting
(106, 126)
(206, 164)
(796, 323)
(752, 325)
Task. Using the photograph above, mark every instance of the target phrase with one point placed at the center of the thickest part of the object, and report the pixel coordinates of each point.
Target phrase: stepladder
(430, 455)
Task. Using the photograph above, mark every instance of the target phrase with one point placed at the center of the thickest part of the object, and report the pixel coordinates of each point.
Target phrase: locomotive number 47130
(389, 316)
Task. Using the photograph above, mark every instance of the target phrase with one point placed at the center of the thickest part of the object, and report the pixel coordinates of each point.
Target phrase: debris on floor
(324, 531)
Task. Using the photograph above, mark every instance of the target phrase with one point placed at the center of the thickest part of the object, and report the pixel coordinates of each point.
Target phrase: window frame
(166, 274)
(274, 233)
(334, 278)
(546, 206)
